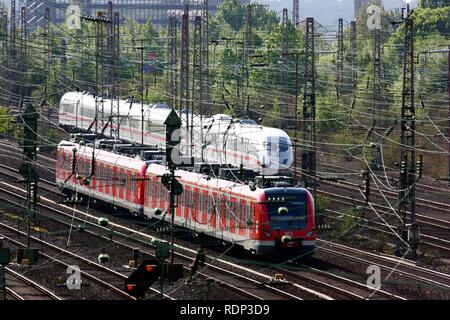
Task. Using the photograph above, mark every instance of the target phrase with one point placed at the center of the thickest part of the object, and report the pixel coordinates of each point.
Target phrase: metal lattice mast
(284, 62)
(248, 44)
(184, 81)
(172, 59)
(109, 50)
(407, 179)
(99, 79)
(197, 95)
(376, 89)
(340, 57)
(4, 30)
(115, 94)
(63, 59)
(12, 52)
(296, 13)
(47, 61)
(309, 111)
(23, 50)
(205, 57)
(353, 55)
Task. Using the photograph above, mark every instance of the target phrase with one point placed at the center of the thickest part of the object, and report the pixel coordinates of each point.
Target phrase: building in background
(157, 11)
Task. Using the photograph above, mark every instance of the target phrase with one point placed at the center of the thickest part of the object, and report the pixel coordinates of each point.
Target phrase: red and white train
(263, 221)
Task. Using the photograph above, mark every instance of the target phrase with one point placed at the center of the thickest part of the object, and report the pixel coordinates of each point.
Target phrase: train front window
(277, 145)
(287, 215)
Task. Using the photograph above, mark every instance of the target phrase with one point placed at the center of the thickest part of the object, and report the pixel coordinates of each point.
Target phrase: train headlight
(283, 210)
(309, 233)
(286, 239)
(267, 233)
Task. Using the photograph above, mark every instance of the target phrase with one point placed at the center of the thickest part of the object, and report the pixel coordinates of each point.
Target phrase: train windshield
(287, 214)
(277, 144)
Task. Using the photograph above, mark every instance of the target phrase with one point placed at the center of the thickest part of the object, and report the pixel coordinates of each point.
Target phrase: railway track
(263, 280)
(346, 288)
(427, 240)
(19, 287)
(107, 278)
(421, 202)
(391, 265)
(421, 219)
(234, 281)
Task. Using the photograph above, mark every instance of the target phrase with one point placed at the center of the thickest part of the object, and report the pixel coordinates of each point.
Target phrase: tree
(434, 3)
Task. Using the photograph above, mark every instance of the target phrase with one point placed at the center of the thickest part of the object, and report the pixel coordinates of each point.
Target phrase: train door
(232, 215)
(129, 186)
(114, 182)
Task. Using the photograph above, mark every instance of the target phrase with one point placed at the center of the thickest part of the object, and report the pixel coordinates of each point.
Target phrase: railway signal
(173, 125)
(143, 277)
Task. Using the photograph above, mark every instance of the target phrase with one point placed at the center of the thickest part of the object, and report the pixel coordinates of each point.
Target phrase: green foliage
(6, 120)
(433, 3)
(233, 13)
(349, 223)
(430, 21)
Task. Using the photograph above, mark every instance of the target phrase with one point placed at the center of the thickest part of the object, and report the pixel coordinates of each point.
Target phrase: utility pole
(23, 52)
(98, 65)
(296, 13)
(448, 122)
(407, 179)
(26, 170)
(296, 118)
(205, 58)
(115, 94)
(172, 59)
(248, 43)
(197, 95)
(109, 45)
(4, 31)
(376, 88)
(353, 55)
(4, 52)
(377, 114)
(47, 61)
(12, 52)
(184, 83)
(100, 22)
(142, 90)
(340, 57)
(63, 59)
(283, 110)
(309, 111)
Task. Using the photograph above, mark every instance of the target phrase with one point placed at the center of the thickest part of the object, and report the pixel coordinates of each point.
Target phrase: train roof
(203, 180)
(156, 112)
(104, 156)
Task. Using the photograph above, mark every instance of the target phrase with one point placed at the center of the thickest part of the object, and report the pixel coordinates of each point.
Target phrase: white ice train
(216, 139)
